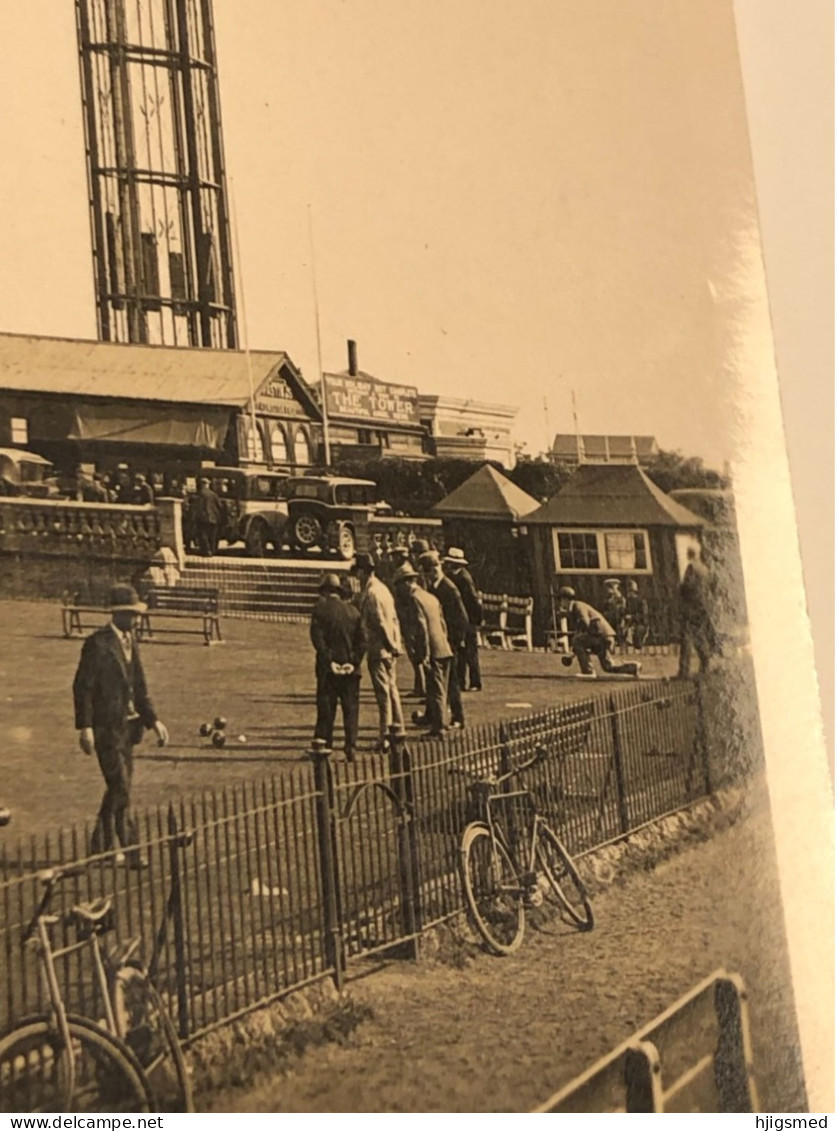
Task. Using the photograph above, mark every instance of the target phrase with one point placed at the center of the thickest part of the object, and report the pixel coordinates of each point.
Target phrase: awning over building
(137, 423)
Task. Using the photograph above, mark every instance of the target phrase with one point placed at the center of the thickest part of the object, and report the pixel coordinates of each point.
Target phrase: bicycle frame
(525, 863)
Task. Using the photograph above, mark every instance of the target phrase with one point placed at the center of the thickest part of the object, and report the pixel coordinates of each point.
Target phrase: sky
(509, 201)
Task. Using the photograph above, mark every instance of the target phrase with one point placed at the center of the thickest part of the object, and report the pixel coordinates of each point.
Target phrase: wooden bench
(180, 603)
(507, 621)
(176, 602)
(696, 1056)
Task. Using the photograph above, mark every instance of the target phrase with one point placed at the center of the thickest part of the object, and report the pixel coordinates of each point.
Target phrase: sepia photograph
(410, 701)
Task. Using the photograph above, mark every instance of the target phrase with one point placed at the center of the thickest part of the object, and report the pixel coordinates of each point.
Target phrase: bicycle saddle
(96, 913)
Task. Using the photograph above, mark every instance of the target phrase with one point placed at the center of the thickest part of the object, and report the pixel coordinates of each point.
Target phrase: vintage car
(25, 473)
(254, 508)
(324, 512)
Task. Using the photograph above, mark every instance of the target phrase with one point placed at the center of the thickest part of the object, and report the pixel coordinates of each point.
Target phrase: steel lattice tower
(162, 260)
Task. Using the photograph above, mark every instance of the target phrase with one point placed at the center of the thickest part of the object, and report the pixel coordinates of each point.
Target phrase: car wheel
(346, 544)
(257, 539)
(307, 531)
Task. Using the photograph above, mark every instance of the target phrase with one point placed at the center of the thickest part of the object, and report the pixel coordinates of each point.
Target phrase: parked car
(324, 512)
(25, 473)
(255, 511)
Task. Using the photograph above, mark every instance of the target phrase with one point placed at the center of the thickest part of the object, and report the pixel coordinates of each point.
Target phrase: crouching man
(591, 635)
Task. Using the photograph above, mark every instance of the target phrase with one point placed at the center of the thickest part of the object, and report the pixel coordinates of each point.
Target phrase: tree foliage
(671, 471)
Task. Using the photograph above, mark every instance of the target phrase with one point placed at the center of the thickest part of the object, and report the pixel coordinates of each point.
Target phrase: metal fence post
(619, 765)
(506, 766)
(334, 945)
(408, 871)
(176, 910)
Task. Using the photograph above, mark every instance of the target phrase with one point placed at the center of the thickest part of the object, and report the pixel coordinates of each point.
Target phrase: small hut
(610, 520)
(481, 516)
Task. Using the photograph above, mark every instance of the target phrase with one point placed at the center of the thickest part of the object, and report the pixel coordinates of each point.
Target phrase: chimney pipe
(352, 358)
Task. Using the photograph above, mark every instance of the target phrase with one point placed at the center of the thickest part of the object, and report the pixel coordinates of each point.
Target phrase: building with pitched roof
(610, 521)
(481, 516)
(156, 408)
(571, 450)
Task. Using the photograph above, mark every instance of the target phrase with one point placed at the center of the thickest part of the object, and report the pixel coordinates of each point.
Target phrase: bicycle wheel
(564, 879)
(150, 1034)
(492, 889)
(34, 1070)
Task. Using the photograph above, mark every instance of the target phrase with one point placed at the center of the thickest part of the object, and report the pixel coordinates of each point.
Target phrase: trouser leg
(472, 658)
(437, 692)
(602, 650)
(582, 648)
(349, 692)
(419, 685)
(326, 706)
(379, 673)
(685, 664)
(457, 711)
(115, 757)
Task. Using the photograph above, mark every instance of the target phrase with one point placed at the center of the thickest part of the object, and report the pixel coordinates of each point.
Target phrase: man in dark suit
(456, 623)
(337, 636)
(426, 639)
(112, 709)
(207, 511)
(468, 661)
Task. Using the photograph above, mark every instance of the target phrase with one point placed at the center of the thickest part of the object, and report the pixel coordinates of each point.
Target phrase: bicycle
(61, 1061)
(497, 888)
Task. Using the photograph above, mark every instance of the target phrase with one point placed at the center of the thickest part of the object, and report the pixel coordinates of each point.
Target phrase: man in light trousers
(383, 644)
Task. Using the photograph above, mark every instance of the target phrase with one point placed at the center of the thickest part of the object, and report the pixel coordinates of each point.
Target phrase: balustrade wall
(51, 546)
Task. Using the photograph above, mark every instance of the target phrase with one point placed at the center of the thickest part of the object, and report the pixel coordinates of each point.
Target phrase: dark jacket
(207, 507)
(470, 596)
(453, 610)
(106, 686)
(336, 631)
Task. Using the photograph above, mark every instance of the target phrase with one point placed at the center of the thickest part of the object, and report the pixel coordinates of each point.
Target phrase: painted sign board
(364, 399)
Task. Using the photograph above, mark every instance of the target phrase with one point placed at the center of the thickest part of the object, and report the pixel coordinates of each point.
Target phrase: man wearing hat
(468, 661)
(383, 646)
(112, 709)
(398, 557)
(614, 607)
(426, 638)
(337, 636)
(456, 623)
(591, 635)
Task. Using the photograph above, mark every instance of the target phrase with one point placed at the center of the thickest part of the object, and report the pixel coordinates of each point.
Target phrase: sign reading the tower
(364, 399)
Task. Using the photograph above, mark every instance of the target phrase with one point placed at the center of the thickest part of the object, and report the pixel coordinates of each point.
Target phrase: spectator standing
(93, 490)
(206, 513)
(383, 643)
(142, 493)
(399, 556)
(614, 608)
(636, 616)
(112, 709)
(591, 634)
(697, 631)
(426, 639)
(468, 660)
(337, 636)
(456, 623)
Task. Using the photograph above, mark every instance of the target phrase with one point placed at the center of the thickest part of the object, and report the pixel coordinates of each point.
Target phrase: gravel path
(501, 1035)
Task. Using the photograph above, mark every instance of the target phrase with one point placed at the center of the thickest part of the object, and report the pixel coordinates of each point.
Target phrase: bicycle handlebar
(497, 779)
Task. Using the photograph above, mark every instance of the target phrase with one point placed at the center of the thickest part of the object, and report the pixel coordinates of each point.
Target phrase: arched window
(253, 442)
(278, 443)
(302, 449)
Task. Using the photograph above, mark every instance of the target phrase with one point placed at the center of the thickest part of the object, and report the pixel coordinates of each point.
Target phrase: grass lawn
(261, 679)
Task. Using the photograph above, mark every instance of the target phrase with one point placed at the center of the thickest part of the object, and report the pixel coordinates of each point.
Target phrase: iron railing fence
(254, 890)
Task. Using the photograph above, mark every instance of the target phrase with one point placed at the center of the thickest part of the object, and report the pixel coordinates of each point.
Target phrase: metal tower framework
(162, 259)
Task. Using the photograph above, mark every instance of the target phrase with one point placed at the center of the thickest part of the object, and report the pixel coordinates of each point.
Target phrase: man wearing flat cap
(337, 636)
(591, 634)
(426, 638)
(382, 634)
(112, 710)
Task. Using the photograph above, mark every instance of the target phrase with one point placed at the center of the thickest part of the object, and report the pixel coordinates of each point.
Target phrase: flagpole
(237, 255)
(323, 404)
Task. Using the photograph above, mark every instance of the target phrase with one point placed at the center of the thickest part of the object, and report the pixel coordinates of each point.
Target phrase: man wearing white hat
(468, 661)
(112, 709)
